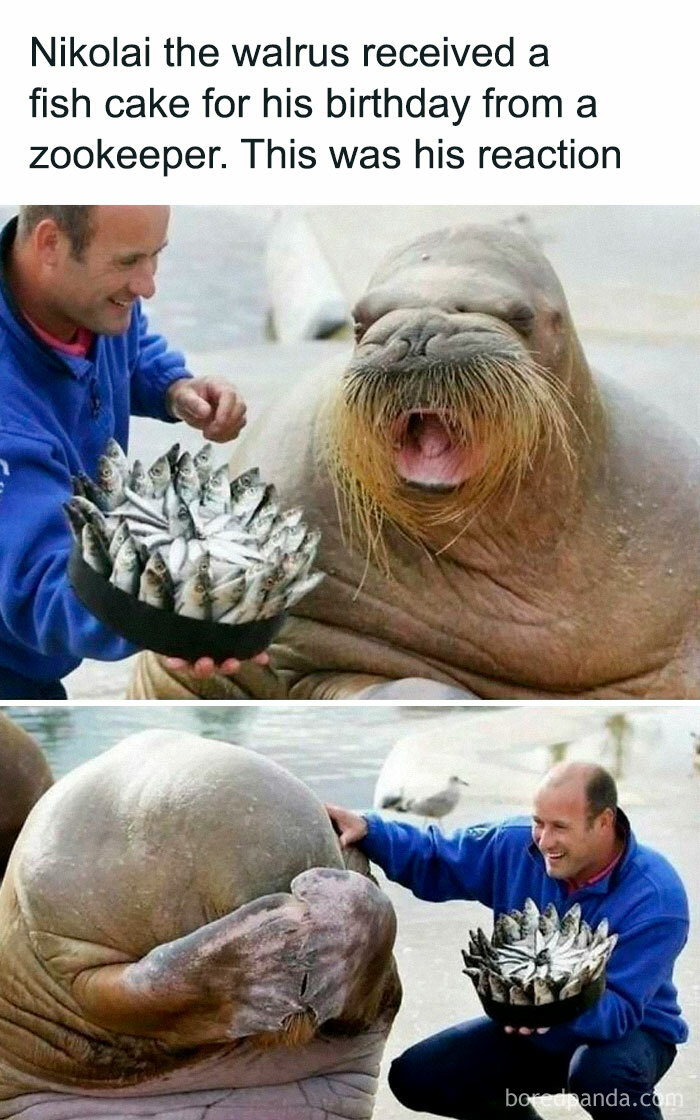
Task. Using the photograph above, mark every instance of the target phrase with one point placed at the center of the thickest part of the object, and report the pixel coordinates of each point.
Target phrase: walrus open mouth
(429, 446)
(430, 454)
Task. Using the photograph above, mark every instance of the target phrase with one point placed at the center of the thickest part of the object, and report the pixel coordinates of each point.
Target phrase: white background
(641, 70)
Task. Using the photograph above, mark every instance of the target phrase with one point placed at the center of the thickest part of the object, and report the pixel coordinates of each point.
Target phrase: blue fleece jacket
(499, 866)
(57, 413)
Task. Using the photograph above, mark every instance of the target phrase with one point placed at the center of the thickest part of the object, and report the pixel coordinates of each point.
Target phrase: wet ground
(339, 752)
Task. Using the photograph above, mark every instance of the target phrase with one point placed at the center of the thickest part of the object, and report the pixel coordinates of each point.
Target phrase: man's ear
(49, 242)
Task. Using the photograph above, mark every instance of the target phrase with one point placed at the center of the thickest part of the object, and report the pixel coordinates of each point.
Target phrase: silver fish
(232, 560)
(93, 516)
(126, 572)
(172, 455)
(263, 524)
(226, 596)
(139, 508)
(203, 462)
(498, 988)
(246, 504)
(120, 535)
(571, 921)
(293, 566)
(155, 585)
(181, 522)
(153, 541)
(94, 552)
(138, 481)
(289, 518)
(574, 986)
(505, 931)
(298, 590)
(543, 991)
(233, 552)
(309, 546)
(223, 527)
(84, 487)
(177, 557)
(254, 594)
(110, 484)
(160, 475)
(186, 479)
(114, 452)
(193, 598)
(216, 492)
(76, 519)
(244, 482)
(517, 995)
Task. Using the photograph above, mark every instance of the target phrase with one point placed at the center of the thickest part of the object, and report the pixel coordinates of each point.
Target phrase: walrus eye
(521, 317)
(358, 330)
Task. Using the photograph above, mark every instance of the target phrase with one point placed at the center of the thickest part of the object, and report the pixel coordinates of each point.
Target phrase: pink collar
(574, 886)
(77, 348)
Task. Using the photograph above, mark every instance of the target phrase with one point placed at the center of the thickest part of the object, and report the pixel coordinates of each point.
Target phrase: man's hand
(211, 406)
(525, 1030)
(351, 827)
(206, 667)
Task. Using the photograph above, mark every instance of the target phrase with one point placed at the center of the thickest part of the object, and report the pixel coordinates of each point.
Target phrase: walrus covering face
(459, 387)
(496, 521)
(178, 935)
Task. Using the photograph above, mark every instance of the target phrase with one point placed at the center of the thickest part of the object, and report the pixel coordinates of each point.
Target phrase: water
(338, 752)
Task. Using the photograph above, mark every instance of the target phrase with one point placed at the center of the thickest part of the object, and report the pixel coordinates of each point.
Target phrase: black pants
(475, 1071)
(15, 687)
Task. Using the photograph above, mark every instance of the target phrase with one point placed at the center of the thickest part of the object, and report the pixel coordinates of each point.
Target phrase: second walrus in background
(496, 522)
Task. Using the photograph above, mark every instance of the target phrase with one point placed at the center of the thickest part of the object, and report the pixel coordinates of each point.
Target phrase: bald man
(577, 847)
(76, 361)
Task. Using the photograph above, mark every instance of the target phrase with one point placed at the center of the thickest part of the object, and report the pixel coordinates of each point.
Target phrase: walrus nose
(419, 335)
(429, 337)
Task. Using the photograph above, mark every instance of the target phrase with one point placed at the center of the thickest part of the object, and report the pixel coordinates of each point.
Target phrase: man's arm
(37, 604)
(154, 367)
(641, 961)
(433, 866)
(162, 387)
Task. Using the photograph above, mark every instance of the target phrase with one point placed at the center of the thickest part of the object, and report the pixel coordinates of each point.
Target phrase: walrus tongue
(430, 436)
(426, 454)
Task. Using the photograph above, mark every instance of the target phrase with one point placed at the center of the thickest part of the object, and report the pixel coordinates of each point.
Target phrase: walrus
(24, 776)
(497, 522)
(179, 936)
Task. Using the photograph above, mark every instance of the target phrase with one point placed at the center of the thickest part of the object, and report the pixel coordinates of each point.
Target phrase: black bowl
(544, 1014)
(163, 631)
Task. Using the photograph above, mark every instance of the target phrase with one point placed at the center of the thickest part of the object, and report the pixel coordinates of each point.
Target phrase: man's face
(573, 846)
(117, 267)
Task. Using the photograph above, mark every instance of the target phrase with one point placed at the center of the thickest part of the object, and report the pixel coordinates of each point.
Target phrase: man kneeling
(578, 847)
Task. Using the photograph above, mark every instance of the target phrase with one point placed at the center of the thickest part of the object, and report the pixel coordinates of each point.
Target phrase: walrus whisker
(514, 410)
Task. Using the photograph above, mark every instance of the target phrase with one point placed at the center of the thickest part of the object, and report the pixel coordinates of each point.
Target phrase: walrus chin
(431, 445)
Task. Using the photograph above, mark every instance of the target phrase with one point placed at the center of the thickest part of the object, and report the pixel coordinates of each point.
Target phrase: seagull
(437, 804)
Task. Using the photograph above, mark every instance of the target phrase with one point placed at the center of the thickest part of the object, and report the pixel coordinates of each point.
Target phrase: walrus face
(456, 387)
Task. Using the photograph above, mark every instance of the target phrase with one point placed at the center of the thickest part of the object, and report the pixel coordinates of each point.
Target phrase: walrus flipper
(281, 965)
